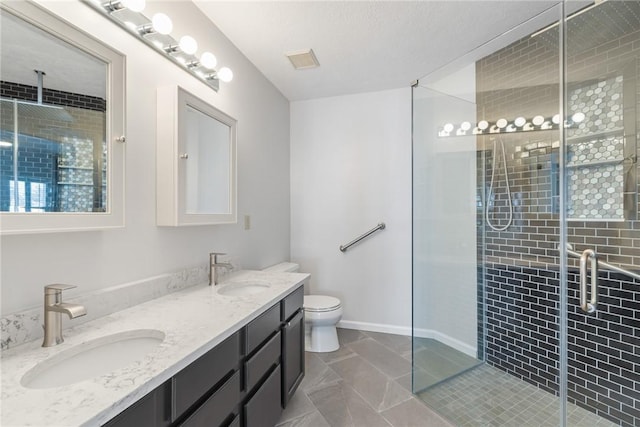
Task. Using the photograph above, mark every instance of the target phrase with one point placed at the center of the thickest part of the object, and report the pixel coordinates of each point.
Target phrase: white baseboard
(375, 327)
(405, 330)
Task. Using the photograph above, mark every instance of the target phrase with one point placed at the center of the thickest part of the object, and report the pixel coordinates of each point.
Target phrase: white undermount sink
(93, 358)
(238, 289)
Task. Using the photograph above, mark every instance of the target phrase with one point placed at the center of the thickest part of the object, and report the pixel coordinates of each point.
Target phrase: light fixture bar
(183, 53)
(502, 126)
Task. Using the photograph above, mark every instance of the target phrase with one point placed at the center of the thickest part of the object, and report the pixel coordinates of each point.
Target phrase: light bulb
(225, 74)
(188, 45)
(161, 23)
(501, 123)
(465, 126)
(556, 119)
(538, 120)
(208, 60)
(134, 5)
(448, 127)
(578, 117)
(483, 124)
(520, 121)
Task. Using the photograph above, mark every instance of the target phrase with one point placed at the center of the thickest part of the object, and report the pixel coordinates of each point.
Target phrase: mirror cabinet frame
(46, 222)
(171, 191)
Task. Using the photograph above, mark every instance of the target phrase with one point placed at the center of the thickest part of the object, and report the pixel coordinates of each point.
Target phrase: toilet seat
(320, 303)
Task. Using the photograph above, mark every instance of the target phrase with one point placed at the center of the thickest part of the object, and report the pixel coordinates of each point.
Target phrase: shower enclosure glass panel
(444, 269)
(525, 151)
(602, 100)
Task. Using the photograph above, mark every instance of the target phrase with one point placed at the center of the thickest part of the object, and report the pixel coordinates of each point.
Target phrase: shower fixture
(39, 109)
(506, 177)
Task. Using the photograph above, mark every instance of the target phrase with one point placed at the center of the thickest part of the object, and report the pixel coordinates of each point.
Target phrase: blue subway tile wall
(55, 157)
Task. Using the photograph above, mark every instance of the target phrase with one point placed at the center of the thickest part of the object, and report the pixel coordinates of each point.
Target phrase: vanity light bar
(519, 124)
(155, 34)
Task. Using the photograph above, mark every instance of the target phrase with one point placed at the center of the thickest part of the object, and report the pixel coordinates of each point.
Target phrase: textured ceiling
(362, 46)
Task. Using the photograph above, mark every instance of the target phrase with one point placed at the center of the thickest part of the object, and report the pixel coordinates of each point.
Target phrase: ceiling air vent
(303, 59)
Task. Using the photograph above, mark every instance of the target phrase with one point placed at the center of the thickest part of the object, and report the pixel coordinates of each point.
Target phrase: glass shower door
(488, 216)
(602, 95)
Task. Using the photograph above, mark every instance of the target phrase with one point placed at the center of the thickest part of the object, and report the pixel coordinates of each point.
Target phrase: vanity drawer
(194, 381)
(262, 328)
(261, 362)
(292, 303)
(219, 407)
(264, 408)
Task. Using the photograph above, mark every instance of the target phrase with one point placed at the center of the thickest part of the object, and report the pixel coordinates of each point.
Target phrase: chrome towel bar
(380, 226)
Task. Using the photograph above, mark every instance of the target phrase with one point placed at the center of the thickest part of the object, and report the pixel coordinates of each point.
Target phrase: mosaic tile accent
(602, 105)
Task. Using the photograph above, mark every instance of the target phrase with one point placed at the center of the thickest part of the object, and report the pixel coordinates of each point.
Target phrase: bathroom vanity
(245, 381)
(232, 355)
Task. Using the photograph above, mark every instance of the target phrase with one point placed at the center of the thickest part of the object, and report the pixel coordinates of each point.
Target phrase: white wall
(350, 170)
(99, 259)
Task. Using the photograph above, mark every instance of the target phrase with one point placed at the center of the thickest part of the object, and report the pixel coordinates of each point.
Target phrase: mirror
(196, 161)
(61, 104)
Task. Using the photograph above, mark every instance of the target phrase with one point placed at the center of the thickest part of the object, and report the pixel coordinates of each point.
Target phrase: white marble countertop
(193, 320)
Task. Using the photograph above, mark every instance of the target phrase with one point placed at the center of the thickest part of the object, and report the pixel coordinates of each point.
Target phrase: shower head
(38, 111)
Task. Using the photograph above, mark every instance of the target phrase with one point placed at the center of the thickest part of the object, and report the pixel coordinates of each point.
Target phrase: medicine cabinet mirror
(196, 153)
(61, 111)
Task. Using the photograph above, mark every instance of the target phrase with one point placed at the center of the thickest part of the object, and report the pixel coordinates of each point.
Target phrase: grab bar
(606, 265)
(380, 226)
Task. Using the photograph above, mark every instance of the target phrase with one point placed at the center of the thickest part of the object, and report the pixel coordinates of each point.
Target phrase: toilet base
(321, 339)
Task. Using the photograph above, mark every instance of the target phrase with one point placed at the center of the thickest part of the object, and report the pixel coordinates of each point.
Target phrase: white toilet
(321, 314)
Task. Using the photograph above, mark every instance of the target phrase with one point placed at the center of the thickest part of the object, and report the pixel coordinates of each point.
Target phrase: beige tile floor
(367, 383)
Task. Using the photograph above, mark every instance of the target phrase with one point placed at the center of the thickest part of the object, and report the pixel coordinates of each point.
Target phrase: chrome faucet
(53, 310)
(213, 263)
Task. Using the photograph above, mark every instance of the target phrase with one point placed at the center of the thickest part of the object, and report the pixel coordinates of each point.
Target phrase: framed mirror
(196, 152)
(61, 110)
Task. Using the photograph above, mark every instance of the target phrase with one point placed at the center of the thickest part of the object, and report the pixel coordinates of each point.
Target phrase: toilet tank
(283, 267)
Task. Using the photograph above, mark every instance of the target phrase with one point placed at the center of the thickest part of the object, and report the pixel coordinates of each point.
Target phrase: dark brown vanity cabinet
(245, 381)
(151, 410)
(262, 367)
(292, 344)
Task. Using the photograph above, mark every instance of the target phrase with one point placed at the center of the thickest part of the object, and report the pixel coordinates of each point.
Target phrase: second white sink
(93, 358)
(237, 289)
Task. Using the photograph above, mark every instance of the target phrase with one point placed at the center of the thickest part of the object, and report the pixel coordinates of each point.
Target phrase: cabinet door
(264, 409)
(199, 378)
(292, 356)
(219, 408)
(153, 409)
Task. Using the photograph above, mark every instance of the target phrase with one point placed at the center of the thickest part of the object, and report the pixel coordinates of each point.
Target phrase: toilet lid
(320, 303)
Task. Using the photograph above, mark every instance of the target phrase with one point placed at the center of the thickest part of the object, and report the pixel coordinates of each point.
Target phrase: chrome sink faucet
(53, 310)
(213, 264)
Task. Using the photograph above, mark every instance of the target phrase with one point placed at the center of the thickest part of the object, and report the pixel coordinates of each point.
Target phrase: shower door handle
(591, 305)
